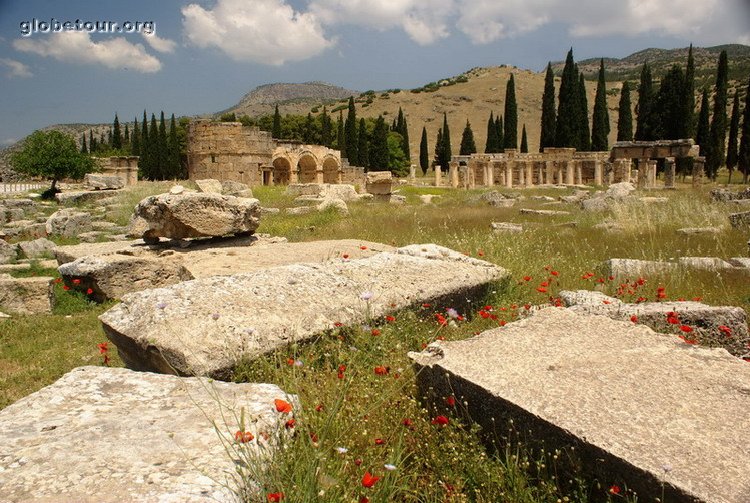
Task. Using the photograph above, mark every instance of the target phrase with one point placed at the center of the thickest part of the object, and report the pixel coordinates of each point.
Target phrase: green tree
(51, 155)
(490, 146)
(625, 115)
(446, 151)
(162, 151)
(734, 127)
(397, 162)
(173, 150)
(404, 132)
(350, 132)
(126, 138)
(668, 111)
(326, 136)
(116, 134)
(340, 138)
(92, 142)
(84, 149)
(644, 116)
(584, 135)
(567, 126)
(600, 120)
(524, 141)
(363, 144)
(309, 133)
(510, 129)
(702, 132)
(499, 137)
(438, 148)
(468, 146)
(379, 154)
(144, 162)
(547, 136)
(687, 117)
(276, 129)
(715, 155)
(135, 142)
(153, 150)
(424, 155)
(743, 156)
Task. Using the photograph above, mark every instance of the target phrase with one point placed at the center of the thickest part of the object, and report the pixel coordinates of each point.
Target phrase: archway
(330, 170)
(307, 169)
(282, 171)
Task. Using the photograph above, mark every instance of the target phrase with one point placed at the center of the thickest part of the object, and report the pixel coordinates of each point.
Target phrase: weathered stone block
(548, 213)
(506, 227)
(111, 434)
(704, 263)
(98, 181)
(68, 222)
(27, 295)
(37, 248)
(8, 252)
(740, 220)
(209, 186)
(643, 410)
(633, 268)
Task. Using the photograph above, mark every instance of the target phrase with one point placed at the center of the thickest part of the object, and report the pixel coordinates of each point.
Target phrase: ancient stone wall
(123, 167)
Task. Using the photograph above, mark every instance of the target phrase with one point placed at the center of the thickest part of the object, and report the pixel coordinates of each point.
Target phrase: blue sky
(203, 55)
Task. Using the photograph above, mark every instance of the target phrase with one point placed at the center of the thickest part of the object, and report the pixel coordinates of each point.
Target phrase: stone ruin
(566, 166)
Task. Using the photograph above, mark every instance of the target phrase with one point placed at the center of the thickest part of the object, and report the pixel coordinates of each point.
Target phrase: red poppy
(314, 438)
(340, 375)
(375, 332)
(381, 370)
(369, 480)
(379, 441)
(554, 273)
(634, 319)
(527, 278)
(358, 461)
(426, 305)
(243, 437)
(364, 499)
(275, 497)
(725, 330)
(501, 323)
(106, 360)
(102, 347)
(407, 422)
(66, 287)
(290, 361)
(672, 318)
(527, 306)
(76, 281)
(441, 420)
(89, 291)
(686, 329)
(390, 319)
(337, 324)
(697, 299)
(451, 401)
(480, 253)
(441, 319)
(282, 406)
(345, 255)
(319, 408)
(290, 424)
(363, 247)
(615, 489)
(541, 289)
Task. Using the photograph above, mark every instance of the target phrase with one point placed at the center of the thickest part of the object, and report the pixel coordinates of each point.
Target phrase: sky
(84, 61)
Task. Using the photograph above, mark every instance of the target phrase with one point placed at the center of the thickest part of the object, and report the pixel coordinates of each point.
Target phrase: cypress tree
(687, 117)
(490, 147)
(524, 141)
(499, 137)
(92, 142)
(584, 135)
(144, 161)
(350, 132)
(379, 146)
(734, 127)
(702, 132)
(162, 149)
(468, 146)
(340, 138)
(424, 156)
(126, 137)
(668, 109)
(153, 149)
(398, 125)
(276, 128)
(715, 155)
(446, 151)
(405, 138)
(135, 139)
(84, 150)
(173, 149)
(643, 121)
(308, 133)
(325, 128)
(116, 134)
(438, 149)
(510, 131)
(547, 136)
(743, 156)
(600, 120)
(363, 144)
(109, 138)
(566, 128)
(625, 115)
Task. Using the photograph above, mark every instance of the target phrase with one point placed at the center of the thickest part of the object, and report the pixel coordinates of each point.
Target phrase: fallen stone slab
(17, 202)
(550, 213)
(300, 210)
(704, 320)
(111, 434)
(37, 248)
(643, 410)
(99, 181)
(506, 227)
(633, 268)
(68, 222)
(688, 231)
(740, 262)
(343, 191)
(209, 185)
(191, 215)
(237, 189)
(69, 253)
(8, 252)
(595, 204)
(27, 295)
(25, 265)
(740, 220)
(704, 263)
(112, 276)
(337, 204)
(206, 326)
(653, 200)
(80, 196)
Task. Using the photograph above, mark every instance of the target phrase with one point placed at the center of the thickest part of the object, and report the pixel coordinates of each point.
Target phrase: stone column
(293, 178)
(698, 170)
(640, 176)
(540, 173)
(651, 178)
(471, 178)
(412, 172)
(319, 176)
(501, 180)
(569, 173)
(579, 172)
(560, 173)
(438, 176)
(453, 173)
(490, 180)
(521, 173)
(598, 172)
(549, 167)
(529, 173)
(669, 173)
(509, 174)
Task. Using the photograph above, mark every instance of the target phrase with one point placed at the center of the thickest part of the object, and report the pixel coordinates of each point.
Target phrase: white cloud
(159, 44)
(263, 31)
(16, 68)
(78, 48)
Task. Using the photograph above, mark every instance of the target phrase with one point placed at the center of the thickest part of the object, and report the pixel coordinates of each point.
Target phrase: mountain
(291, 98)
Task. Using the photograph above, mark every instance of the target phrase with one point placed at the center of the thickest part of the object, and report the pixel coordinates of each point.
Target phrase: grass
(341, 418)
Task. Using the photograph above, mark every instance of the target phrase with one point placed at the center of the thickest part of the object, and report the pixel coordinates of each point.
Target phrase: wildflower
(450, 401)
(282, 406)
(452, 313)
(615, 489)
(697, 299)
(290, 361)
(243, 437)
(634, 319)
(290, 424)
(337, 324)
(441, 420)
(484, 314)
(527, 306)
(102, 348)
(342, 450)
(725, 330)
(426, 306)
(66, 287)
(554, 273)
(275, 497)
(366, 295)
(363, 247)
(375, 332)
(389, 467)
(358, 461)
(672, 318)
(381, 370)
(527, 278)
(686, 329)
(440, 319)
(480, 253)
(76, 281)
(89, 291)
(364, 499)
(161, 305)
(345, 256)
(407, 422)
(541, 289)
(390, 319)
(319, 408)
(314, 438)
(369, 480)
(660, 293)
(379, 441)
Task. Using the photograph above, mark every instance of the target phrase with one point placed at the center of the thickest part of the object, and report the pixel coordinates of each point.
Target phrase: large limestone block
(37, 248)
(98, 181)
(619, 191)
(705, 320)
(342, 191)
(209, 186)
(112, 435)
(68, 222)
(740, 220)
(205, 326)
(112, 276)
(8, 252)
(81, 196)
(642, 409)
(27, 295)
(379, 182)
(191, 215)
(633, 268)
(237, 189)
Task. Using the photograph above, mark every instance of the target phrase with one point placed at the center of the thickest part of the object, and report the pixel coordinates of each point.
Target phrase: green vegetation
(716, 151)
(625, 115)
(467, 141)
(424, 153)
(549, 117)
(600, 121)
(510, 128)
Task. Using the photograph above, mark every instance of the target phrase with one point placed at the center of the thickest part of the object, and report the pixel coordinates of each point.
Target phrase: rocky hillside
(291, 98)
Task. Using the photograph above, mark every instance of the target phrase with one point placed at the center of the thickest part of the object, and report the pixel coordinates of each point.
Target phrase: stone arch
(331, 168)
(307, 168)
(282, 171)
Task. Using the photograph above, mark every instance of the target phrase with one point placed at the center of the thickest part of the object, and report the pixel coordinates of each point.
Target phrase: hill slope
(291, 98)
